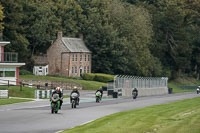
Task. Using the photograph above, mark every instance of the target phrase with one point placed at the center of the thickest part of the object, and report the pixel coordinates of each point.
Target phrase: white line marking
(87, 122)
(59, 131)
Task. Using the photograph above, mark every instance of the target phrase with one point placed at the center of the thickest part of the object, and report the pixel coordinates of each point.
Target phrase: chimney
(59, 36)
(81, 36)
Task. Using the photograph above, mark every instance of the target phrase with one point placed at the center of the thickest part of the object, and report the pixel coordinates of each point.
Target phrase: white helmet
(58, 89)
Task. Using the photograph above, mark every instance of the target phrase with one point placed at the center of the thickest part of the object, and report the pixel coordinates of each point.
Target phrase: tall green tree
(1, 18)
(41, 25)
(14, 28)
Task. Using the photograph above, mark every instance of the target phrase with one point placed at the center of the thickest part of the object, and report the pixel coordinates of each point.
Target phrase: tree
(1, 19)
(41, 25)
(14, 28)
(120, 37)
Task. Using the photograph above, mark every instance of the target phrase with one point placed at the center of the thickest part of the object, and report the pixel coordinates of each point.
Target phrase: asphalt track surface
(35, 117)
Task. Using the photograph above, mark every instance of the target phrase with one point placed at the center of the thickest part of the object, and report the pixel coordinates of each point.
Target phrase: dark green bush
(88, 76)
(25, 72)
(103, 77)
(98, 77)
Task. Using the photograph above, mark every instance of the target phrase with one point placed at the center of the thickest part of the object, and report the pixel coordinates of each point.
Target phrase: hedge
(98, 77)
(25, 72)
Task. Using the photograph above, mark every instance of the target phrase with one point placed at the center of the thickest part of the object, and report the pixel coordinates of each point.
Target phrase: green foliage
(1, 18)
(25, 72)
(88, 76)
(103, 77)
(98, 77)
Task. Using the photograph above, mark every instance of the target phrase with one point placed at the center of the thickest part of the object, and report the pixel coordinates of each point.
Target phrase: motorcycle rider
(135, 91)
(75, 90)
(58, 91)
(99, 90)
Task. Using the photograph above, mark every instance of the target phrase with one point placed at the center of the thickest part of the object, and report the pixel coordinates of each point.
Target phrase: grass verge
(185, 84)
(87, 85)
(178, 117)
(16, 91)
(12, 100)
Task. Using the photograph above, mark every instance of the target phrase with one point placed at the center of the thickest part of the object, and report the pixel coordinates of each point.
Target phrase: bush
(103, 77)
(25, 72)
(88, 76)
(98, 77)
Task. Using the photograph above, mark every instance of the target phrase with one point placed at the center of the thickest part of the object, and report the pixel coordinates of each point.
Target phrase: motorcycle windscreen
(74, 95)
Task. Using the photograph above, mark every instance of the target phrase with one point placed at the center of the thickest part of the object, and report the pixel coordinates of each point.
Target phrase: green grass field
(15, 91)
(87, 85)
(178, 117)
(12, 100)
(189, 85)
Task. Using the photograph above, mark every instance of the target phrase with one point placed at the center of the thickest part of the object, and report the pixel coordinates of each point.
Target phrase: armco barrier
(43, 93)
(4, 94)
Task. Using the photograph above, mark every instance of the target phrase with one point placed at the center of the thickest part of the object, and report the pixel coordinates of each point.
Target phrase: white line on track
(59, 131)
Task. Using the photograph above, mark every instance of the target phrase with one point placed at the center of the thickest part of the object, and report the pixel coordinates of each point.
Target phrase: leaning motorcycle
(198, 89)
(74, 100)
(135, 93)
(98, 97)
(55, 103)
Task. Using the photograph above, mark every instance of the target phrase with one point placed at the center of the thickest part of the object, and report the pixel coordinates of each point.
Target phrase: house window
(72, 69)
(88, 69)
(88, 57)
(84, 69)
(72, 57)
(75, 69)
(80, 57)
(9, 73)
(85, 57)
(76, 58)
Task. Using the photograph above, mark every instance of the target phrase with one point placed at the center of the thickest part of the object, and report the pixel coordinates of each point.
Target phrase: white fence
(3, 93)
(145, 85)
(43, 93)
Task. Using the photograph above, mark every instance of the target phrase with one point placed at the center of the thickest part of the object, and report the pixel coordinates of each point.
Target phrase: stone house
(69, 57)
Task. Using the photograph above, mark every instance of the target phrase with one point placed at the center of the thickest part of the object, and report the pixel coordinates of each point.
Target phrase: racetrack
(36, 117)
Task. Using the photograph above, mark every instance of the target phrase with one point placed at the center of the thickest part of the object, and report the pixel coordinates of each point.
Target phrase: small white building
(40, 70)
(9, 66)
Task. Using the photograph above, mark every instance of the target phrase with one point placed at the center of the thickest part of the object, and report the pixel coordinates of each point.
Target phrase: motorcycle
(55, 103)
(98, 97)
(135, 93)
(198, 89)
(74, 100)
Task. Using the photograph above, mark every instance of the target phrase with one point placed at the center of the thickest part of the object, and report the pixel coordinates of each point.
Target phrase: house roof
(75, 44)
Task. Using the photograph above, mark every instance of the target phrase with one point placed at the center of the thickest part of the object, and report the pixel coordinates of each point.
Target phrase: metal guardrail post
(8, 83)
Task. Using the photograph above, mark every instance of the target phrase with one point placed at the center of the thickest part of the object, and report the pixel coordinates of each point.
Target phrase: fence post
(20, 86)
(8, 83)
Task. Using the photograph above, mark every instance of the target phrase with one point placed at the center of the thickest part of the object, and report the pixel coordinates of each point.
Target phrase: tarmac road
(35, 117)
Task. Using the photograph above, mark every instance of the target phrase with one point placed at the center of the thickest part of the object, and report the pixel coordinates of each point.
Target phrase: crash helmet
(75, 88)
(58, 89)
